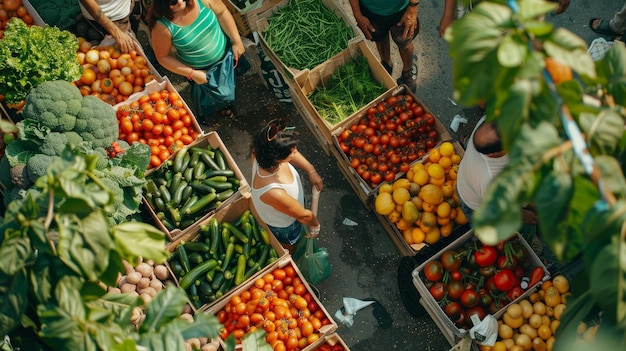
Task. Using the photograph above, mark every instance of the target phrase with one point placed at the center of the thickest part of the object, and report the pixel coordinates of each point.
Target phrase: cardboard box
(395, 234)
(247, 17)
(214, 140)
(448, 328)
(290, 73)
(310, 80)
(324, 331)
(360, 186)
(230, 213)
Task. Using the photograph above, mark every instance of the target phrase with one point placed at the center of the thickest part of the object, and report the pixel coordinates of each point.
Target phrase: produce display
(158, 119)
(347, 90)
(195, 182)
(13, 8)
(202, 343)
(328, 347)
(305, 33)
(532, 322)
(109, 74)
(223, 256)
(480, 279)
(422, 203)
(31, 55)
(388, 138)
(145, 279)
(280, 303)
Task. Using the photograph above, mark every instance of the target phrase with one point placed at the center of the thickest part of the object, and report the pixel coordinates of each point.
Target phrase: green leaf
(256, 341)
(552, 200)
(512, 111)
(15, 252)
(204, 325)
(511, 52)
(531, 9)
(570, 49)
(606, 281)
(166, 306)
(603, 131)
(19, 151)
(613, 69)
(612, 176)
(578, 308)
(134, 240)
(13, 300)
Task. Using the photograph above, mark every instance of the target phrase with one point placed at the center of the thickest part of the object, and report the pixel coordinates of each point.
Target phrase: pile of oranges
(160, 120)
(10, 9)
(110, 74)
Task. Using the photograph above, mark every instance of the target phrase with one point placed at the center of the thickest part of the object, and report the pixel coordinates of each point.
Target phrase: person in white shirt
(114, 16)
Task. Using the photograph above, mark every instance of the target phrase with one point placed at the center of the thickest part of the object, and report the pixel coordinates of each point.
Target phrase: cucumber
(222, 172)
(241, 269)
(201, 187)
(208, 160)
(224, 195)
(179, 159)
(165, 194)
(201, 203)
(220, 159)
(198, 170)
(241, 236)
(195, 246)
(199, 270)
(218, 186)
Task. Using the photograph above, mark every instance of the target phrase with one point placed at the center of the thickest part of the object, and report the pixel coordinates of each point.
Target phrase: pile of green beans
(348, 89)
(305, 33)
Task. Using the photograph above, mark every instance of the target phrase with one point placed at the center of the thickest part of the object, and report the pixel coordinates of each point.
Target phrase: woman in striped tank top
(191, 36)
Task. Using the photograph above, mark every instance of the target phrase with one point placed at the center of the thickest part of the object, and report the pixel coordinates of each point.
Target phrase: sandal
(227, 111)
(602, 27)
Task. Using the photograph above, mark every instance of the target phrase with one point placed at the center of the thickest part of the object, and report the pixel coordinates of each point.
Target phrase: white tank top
(267, 213)
(113, 9)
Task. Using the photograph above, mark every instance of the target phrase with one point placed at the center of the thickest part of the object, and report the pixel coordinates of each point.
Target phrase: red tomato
(485, 255)
(389, 176)
(376, 178)
(418, 111)
(452, 309)
(354, 163)
(455, 289)
(504, 280)
(433, 270)
(438, 290)
(470, 298)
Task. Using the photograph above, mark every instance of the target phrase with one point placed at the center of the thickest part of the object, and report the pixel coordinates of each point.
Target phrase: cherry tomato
(438, 290)
(504, 280)
(470, 298)
(452, 309)
(451, 260)
(418, 111)
(389, 176)
(515, 292)
(506, 262)
(485, 255)
(455, 289)
(433, 270)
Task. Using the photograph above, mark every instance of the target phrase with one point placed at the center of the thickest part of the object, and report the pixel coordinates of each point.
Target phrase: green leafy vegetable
(32, 55)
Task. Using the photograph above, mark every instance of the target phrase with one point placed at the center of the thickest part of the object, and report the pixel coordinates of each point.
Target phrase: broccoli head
(54, 104)
(54, 144)
(103, 160)
(74, 138)
(96, 122)
(37, 166)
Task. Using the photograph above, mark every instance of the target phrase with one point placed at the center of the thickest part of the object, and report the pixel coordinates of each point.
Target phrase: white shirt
(114, 9)
(476, 172)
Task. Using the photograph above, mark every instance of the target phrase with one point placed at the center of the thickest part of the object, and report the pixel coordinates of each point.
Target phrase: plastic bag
(314, 263)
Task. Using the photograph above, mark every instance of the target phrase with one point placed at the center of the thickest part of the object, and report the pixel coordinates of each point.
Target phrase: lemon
(446, 149)
(421, 177)
(436, 171)
(445, 162)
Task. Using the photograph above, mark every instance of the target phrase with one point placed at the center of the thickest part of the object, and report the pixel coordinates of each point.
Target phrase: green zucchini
(214, 232)
(221, 172)
(236, 232)
(230, 250)
(241, 269)
(201, 203)
(183, 258)
(197, 271)
(218, 186)
(224, 195)
(217, 281)
(220, 159)
(208, 160)
(195, 246)
(201, 187)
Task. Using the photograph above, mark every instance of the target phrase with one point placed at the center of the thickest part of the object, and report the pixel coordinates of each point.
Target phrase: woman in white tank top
(277, 193)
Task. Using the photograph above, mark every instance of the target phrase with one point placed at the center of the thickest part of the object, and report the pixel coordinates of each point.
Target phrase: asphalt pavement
(364, 260)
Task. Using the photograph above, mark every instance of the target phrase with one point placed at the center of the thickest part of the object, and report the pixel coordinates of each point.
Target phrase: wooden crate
(247, 17)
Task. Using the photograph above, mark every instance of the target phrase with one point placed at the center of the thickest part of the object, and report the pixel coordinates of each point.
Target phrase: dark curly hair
(161, 8)
(269, 154)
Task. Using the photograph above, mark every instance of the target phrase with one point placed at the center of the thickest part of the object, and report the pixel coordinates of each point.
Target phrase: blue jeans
(288, 235)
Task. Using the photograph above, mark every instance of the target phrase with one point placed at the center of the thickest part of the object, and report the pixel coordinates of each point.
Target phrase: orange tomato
(12, 5)
(155, 161)
(125, 88)
(155, 96)
(106, 85)
(126, 125)
(88, 76)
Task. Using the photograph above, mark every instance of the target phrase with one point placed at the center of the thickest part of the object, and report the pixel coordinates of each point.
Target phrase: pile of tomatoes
(480, 279)
(159, 119)
(279, 303)
(110, 74)
(328, 347)
(10, 9)
(391, 135)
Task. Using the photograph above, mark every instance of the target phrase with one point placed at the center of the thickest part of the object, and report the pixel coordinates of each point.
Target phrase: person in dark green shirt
(381, 19)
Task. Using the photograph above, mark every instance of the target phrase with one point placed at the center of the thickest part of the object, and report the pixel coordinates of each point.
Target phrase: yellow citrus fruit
(406, 234)
(453, 171)
(445, 162)
(443, 221)
(446, 149)
(437, 181)
(385, 188)
(448, 190)
(456, 159)
(421, 177)
(401, 183)
(417, 235)
(400, 195)
(432, 237)
(443, 210)
(436, 171)
(434, 155)
(416, 167)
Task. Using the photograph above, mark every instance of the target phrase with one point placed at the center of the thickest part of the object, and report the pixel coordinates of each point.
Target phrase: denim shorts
(288, 235)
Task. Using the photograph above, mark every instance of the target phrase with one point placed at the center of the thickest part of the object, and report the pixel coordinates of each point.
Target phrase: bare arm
(302, 163)
(409, 20)
(448, 16)
(227, 22)
(563, 5)
(361, 21)
(124, 40)
(162, 46)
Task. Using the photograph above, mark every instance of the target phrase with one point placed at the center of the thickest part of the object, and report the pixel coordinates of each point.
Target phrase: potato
(161, 272)
(561, 284)
(524, 341)
(527, 308)
(195, 343)
(147, 298)
(150, 291)
(535, 321)
(145, 269)
(514, 310)
(539, 344)
(186, 317)
(513, 322)
(143, 283)
(539, 308)
(133, 277)
(187, 309)
(528, 330)
(156, 284)
(505, 331)
(123, 280)
(115, 290)
(209, 347)
(544, 332)
(128, 287)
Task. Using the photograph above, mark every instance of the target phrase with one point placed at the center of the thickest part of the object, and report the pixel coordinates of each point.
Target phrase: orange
(445, 162)
(436, 171)
(446, 149)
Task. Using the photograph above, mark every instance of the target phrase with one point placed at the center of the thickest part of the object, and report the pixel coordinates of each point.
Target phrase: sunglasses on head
(174, 2)
(274, 127)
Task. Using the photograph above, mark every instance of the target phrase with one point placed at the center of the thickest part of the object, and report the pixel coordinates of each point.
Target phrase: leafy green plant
(59, 252)
(561, 115)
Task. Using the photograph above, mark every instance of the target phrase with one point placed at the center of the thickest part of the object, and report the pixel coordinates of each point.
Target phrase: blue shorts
(288, 235)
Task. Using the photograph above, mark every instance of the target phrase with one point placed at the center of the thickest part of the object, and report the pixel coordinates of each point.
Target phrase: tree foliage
(562, 116)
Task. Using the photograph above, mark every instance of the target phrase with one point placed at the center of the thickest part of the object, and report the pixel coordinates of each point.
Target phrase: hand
(315, 231)
(366, 27)
(411, 25)
(444, 23)
(124, 41)
(238, 51)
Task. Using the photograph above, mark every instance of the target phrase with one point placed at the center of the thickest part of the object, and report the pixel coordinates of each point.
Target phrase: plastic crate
(452, 332)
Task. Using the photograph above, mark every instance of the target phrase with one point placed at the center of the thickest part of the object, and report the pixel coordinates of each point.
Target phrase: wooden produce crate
(333, 340)
(230, 213)
(247, 17)
(310, 80)
(453, 333)
(406, 246)
(364, 189)
(211, 140)
(290, 73)
(329, 326)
